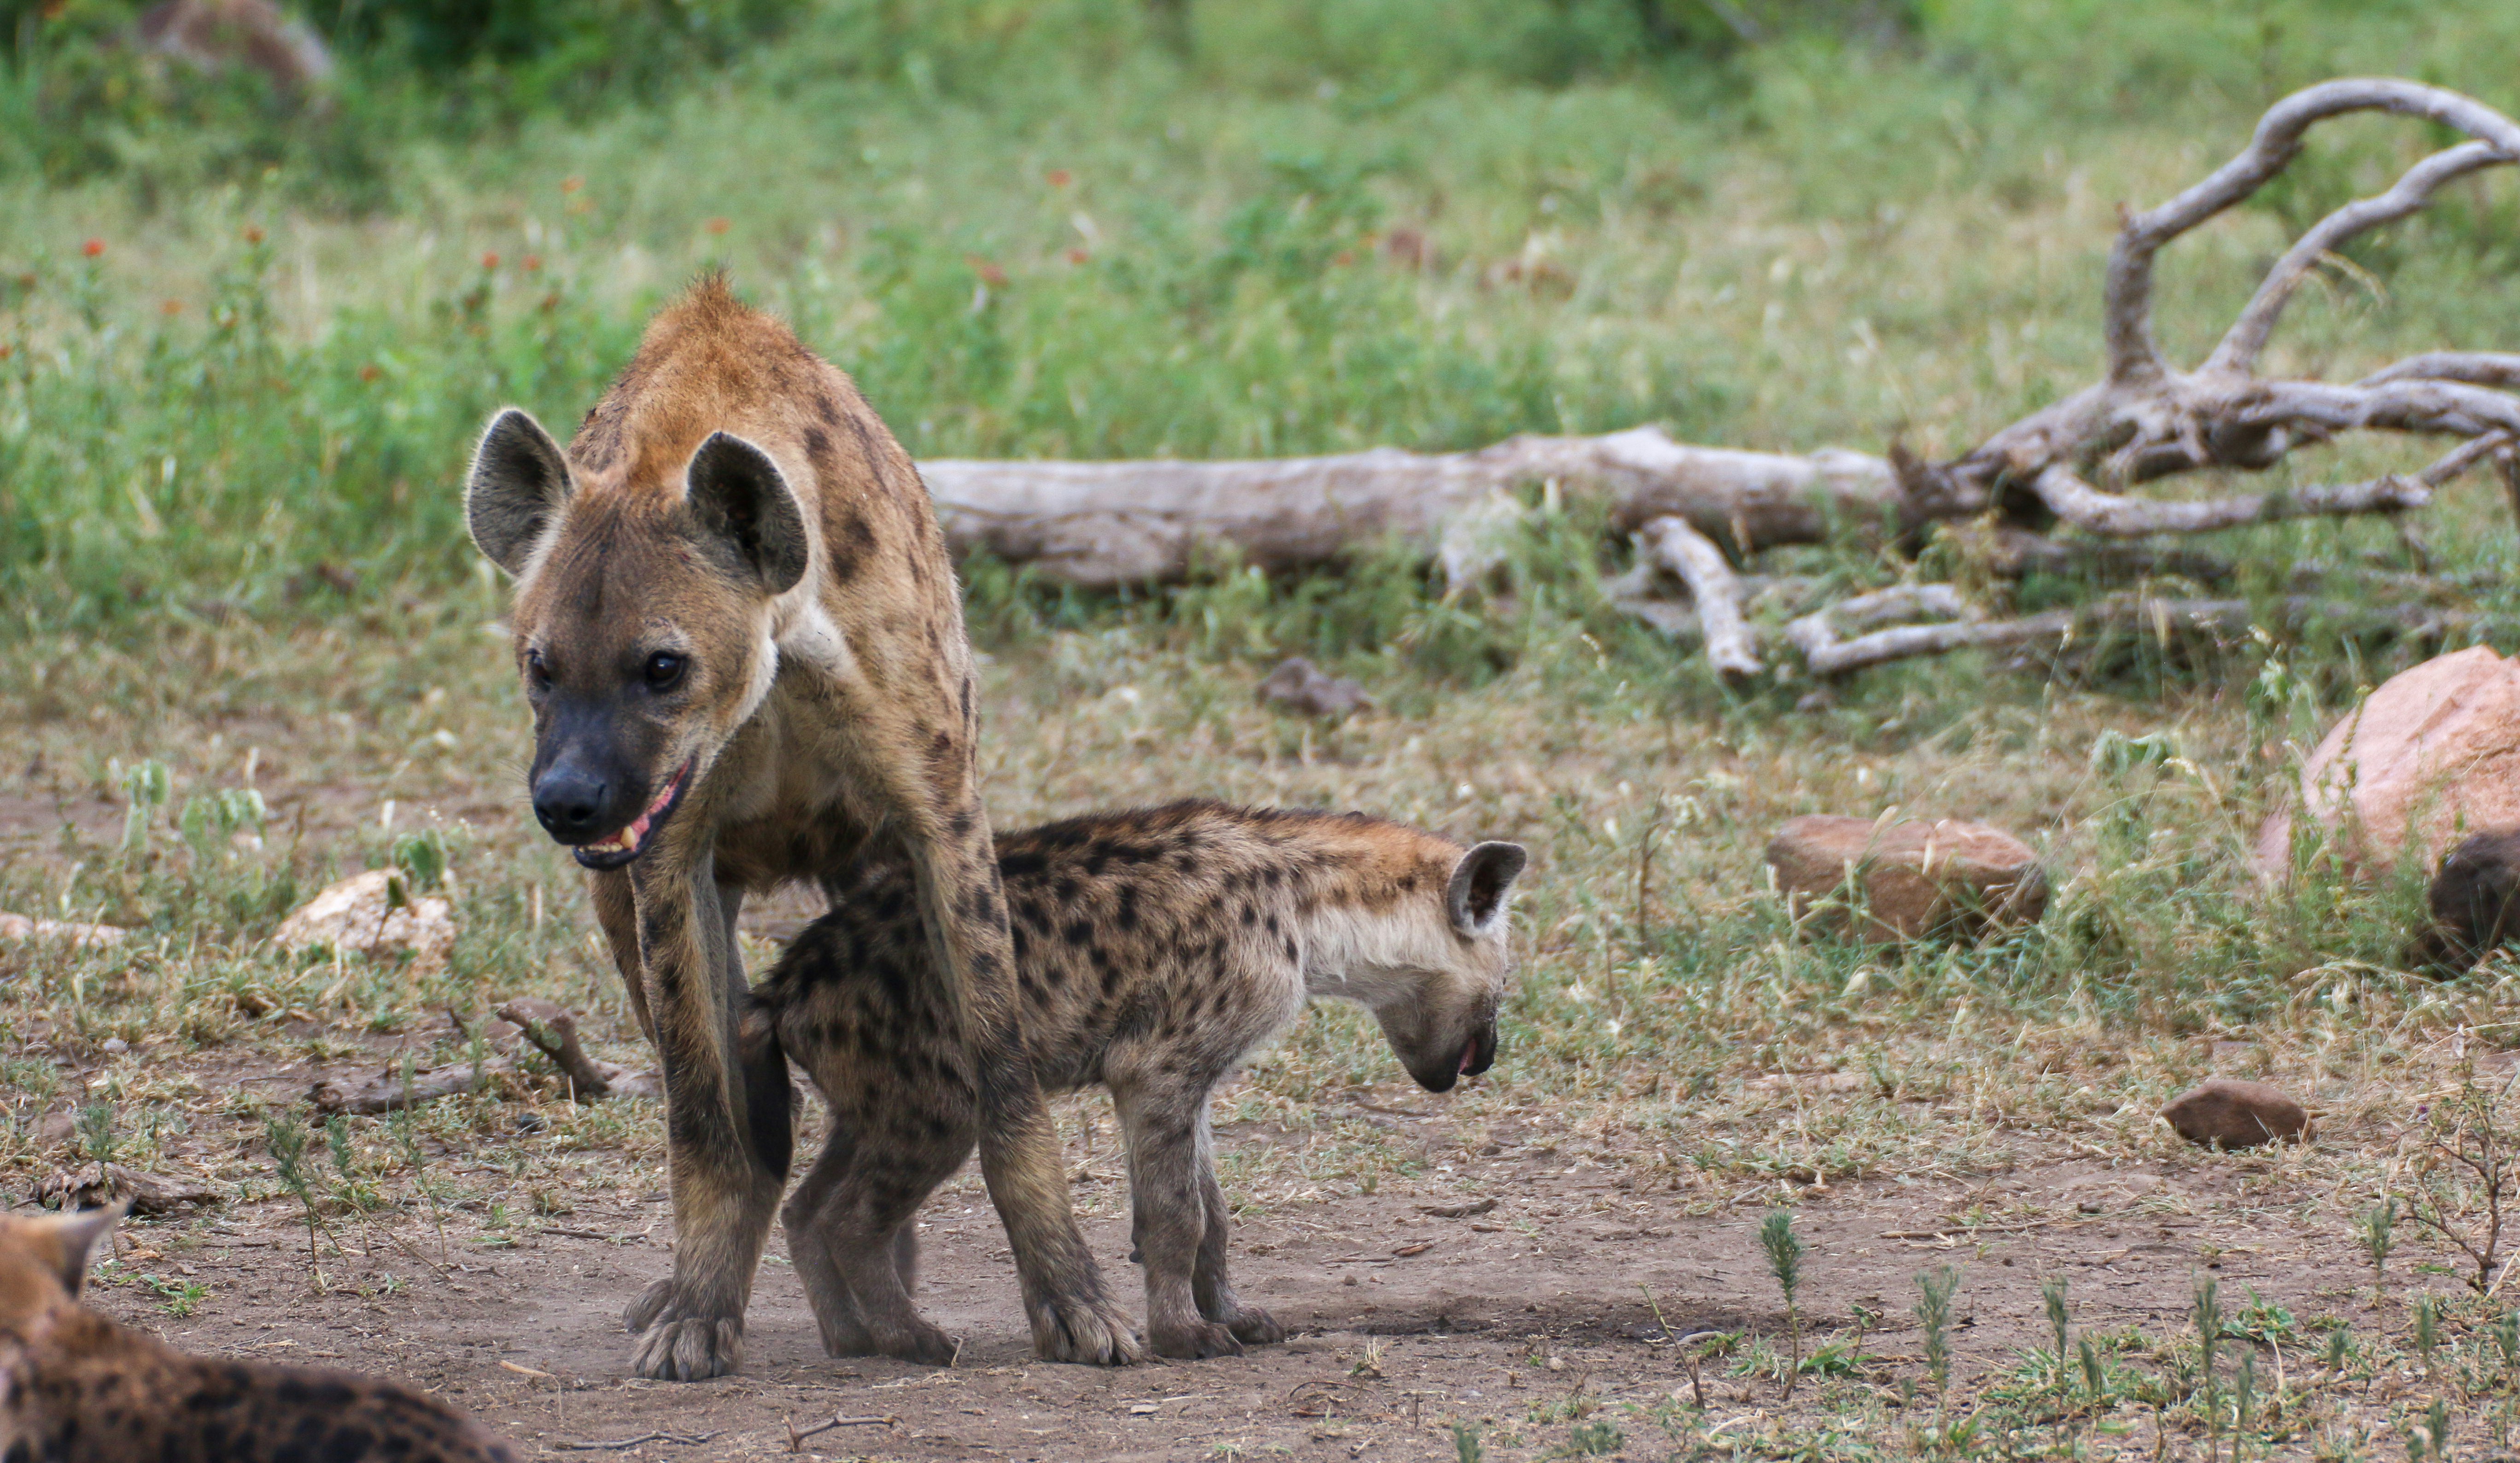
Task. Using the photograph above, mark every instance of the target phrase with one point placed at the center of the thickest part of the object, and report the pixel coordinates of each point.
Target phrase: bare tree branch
(2248, 334)
(2134, 358)
(2086, 508)
(2477, 368)
(1712, 587)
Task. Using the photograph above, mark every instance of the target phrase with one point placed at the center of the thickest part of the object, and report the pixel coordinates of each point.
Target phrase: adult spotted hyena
(742, 644)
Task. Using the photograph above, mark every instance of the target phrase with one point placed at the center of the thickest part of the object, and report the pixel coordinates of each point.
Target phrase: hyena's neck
(1364, 929)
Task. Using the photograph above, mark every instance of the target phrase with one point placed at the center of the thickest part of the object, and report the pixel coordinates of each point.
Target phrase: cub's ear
(1480, 883)
(66, 1240)
(519, 479)
(740, 500)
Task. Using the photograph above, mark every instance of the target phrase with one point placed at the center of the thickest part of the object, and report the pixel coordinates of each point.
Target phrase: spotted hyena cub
(1155, 951)
(76, 1388)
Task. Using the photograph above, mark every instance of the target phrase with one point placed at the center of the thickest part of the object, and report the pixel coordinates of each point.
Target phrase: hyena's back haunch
(743, 647)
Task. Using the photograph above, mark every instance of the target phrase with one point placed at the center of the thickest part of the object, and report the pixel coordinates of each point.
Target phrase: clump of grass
(2428, 1330)
(1785, 1250)
(1467, 1446)
(1597, 1438)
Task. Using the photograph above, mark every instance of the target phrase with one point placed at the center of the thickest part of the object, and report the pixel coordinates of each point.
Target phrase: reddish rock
(2429, 759)
(2223, 1112)
(1910, 878)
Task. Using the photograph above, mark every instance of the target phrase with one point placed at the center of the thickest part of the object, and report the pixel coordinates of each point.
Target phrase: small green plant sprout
(1785, 1262)
(2095, 1377)
(1597, 1438)
(179, 1299)
(1467, 1446)
(2340, 1346)
(210, 822)
(2427, 1329)
(2432, 1444)
(2209, 1335)
(146, 785)
(2378, 1226)
(422, 857)
(2244, 1399)
(97, 1138)
(287, 1137)
(1934, 1315)
(2507, 1339)
(2051, 1294)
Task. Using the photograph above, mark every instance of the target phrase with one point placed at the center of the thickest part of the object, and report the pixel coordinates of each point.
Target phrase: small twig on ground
(796, 1435)
(682, 1439)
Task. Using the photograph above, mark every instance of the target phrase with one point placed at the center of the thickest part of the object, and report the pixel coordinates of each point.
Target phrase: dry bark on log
(1104, 524)
(1100, 525)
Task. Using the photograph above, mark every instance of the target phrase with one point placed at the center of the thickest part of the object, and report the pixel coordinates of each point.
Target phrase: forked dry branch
(1698, 511)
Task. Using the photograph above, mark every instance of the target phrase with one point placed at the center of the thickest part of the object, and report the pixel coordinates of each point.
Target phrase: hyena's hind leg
(1168, 1169)
(860, 1234)
(1208, 1283)
(827, 1289)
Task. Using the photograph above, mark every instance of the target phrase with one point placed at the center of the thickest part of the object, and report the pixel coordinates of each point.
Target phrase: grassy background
(231, 441)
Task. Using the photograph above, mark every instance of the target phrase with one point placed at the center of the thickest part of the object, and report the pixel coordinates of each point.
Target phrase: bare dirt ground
(1524, 1321)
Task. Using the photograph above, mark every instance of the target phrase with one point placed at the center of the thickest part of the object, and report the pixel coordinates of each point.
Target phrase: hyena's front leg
(1020, 1159)
(1167, 1159)
(726, 1179)
(1214, 1292)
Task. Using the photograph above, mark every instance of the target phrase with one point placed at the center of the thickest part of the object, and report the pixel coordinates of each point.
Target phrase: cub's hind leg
(1168, 1164)
(1209, 1286)
(827, 1289)
(861, 1230)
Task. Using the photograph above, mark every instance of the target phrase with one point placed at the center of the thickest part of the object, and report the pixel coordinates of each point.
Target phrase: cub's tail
(770, 1099)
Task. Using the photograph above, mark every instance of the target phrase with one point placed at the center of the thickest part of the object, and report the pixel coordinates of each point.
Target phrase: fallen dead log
(96, 1185)
(1100, 525)
(1697, 511)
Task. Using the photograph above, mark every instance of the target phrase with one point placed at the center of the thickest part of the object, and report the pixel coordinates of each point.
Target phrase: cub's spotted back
(1155, 951)
(76, 1388)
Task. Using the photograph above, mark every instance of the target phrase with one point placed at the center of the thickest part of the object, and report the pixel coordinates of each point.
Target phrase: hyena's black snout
(575, 800)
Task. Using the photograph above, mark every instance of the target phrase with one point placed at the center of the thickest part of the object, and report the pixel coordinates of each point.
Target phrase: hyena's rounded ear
(1480, 883)
(73, 1237)
(742, 499)
(519, 478)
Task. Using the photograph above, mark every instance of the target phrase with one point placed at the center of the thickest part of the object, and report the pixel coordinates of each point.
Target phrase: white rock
(355, 918)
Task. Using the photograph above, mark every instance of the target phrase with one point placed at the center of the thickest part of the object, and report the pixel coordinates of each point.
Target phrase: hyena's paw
(651, 1301)
(1250, 1323)
(1086, 1331)
(1195, 1340)
(693, 1349)
(917, 1342)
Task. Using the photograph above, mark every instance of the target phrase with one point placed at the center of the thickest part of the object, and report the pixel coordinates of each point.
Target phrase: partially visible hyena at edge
(76, 1388)
(1155, 951)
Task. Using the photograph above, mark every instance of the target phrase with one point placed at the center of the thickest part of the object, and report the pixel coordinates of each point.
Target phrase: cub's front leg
(725, 1178)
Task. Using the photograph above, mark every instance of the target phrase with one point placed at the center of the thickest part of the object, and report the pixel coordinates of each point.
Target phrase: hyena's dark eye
(663, 670)
(537, 675)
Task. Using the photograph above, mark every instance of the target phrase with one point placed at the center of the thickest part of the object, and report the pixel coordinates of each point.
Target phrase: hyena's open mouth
(632, 841)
